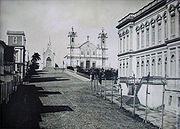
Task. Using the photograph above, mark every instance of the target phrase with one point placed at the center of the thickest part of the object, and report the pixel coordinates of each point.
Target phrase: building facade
(149, 42)
(17, 39)
(48, 57)
(87, 54)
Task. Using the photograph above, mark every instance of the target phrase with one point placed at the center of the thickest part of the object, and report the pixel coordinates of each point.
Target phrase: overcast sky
(40, 19)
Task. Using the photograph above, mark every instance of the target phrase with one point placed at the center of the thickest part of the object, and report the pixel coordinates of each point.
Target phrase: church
(87, 55)
(48, 57)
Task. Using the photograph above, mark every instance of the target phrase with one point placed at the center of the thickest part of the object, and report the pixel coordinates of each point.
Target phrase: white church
(87, 55)
(48, 57)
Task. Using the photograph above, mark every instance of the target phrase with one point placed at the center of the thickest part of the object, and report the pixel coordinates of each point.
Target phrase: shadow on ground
(24, 108)
(47, 79)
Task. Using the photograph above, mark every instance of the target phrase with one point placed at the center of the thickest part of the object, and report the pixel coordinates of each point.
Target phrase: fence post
(112, 91)
(97, 88)
(163, 106)
(147, 97)
(134, 101)
(105, 88)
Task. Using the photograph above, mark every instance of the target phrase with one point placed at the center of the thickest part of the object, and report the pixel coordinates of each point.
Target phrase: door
(48, 62)
(87, 64)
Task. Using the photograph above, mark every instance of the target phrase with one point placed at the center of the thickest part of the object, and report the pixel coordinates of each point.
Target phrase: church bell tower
(102, 36)
(72, 36)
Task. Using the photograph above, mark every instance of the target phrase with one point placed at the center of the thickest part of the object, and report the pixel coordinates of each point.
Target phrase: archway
(48, 62)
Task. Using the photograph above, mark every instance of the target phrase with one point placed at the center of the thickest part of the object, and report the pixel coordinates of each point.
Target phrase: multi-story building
(87, 54)
(17, 39)
(149, 42)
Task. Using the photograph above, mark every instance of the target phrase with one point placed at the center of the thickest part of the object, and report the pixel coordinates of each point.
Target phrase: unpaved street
(88, 111)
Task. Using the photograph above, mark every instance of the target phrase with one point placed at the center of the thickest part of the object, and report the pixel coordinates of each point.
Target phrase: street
(57, 100)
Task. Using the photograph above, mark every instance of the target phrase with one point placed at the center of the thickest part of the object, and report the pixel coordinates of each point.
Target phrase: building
(48, 57)
(149, 42)
(87, 55)
(8, 78)
(17, 39)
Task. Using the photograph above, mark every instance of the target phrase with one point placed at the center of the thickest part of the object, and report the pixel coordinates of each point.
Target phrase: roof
(87, 42)
(132, 17)
(2, 43)
(15, 33)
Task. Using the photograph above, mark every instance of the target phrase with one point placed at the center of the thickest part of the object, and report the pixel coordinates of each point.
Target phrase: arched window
(147, 67)
(173, 66)
(153, 31)
(165, 25)
(123, 69)
(165, 68)
(142, 68)
(172, 19)
(138, 41)
(127, 70)
(159, 19)
(142, 35)
(153, 70)
(124, 44)
(87, 52)
(127, 43)
(159, 67)
(82, 53)
(138, 69)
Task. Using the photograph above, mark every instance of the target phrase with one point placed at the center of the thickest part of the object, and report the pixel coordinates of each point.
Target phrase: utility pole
(72, 36)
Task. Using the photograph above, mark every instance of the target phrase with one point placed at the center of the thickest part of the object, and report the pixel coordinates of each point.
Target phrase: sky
(41, 19)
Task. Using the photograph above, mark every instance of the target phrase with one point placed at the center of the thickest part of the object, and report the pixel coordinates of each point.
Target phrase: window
(138, 43)
(142, 38)
(87, 52)
(127, 42)
(159, 33)
(147, 67)
(82, 53)
(94, 53)
(178, 101)
(170, 100)
(147, 37)
(159, 67)
(153, 67)
(165, 29)
(82, 64)
(127, 69)
(15, 40)
(172, 25)
(123, 44)
(166, 68)
(138, 68)
(72, 40)
(173, 66)
(120, 45)
(142, 68)
(123, 69)
(94, 65)
(153, 35)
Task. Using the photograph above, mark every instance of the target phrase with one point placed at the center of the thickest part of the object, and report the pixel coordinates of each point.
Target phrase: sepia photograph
(89, 64)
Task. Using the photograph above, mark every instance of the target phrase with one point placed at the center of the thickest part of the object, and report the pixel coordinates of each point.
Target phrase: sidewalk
(23, 109)
(171, 120)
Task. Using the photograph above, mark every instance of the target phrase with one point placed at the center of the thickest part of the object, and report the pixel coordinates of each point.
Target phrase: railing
(115, 90)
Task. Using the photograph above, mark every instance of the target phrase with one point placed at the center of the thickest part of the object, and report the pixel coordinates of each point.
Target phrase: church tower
(102, 36)
(71, 46)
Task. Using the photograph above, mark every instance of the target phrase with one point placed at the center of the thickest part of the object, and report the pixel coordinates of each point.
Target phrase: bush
(70, 67)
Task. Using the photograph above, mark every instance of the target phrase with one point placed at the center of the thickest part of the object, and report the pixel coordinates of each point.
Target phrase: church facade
(87, 55)
(48, 57)
(149, 42)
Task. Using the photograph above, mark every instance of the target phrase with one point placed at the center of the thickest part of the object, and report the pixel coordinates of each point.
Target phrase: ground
(57, 100)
